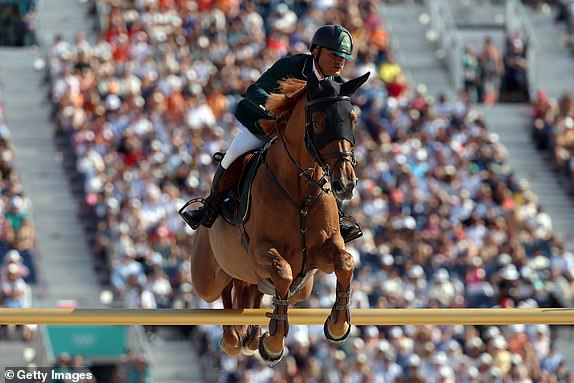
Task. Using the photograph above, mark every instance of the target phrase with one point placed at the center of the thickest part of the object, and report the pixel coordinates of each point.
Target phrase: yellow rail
(296, 316)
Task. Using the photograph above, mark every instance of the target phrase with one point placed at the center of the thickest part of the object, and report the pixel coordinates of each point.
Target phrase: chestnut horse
(293, 226)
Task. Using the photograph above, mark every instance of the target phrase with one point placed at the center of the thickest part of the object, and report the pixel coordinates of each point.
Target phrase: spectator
(392, 76)
(127, 266)
(492, 69)
(13, 257)
(138, 296)
(473, 79)
(20, 223)
(160, 286)
(15, 292)
(516, 67)
(140, 370)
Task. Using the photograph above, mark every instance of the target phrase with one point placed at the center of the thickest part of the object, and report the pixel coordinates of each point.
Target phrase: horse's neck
(294, 135)
(283, 167)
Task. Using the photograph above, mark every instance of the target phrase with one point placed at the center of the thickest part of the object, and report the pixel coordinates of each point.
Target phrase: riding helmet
(336, 38)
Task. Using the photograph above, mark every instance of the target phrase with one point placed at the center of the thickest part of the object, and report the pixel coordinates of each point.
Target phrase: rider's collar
(316, 71)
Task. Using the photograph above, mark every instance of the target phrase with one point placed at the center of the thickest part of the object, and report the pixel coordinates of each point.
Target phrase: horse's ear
(312, 86)
(351, 86)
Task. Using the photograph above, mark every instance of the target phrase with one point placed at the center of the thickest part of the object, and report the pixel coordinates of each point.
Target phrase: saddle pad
(236, 208)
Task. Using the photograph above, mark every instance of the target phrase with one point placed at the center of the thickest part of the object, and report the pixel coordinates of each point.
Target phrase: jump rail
(296, 316)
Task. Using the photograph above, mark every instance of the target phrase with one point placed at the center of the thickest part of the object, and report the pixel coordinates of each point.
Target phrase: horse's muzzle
(343, 188)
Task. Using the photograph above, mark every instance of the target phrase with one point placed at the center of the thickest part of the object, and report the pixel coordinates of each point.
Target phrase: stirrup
(182, 212)
(352, 229)
(352, 234)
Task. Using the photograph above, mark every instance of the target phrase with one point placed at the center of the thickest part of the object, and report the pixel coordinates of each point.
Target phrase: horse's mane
(280, 105)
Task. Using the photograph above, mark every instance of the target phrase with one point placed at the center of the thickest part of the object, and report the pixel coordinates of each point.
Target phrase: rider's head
(331, 45)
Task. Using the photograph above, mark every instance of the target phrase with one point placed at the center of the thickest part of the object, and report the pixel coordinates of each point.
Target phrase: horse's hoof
(331, 337)
(229, 351)
(250, 341)
(247, 351)
(268, 358)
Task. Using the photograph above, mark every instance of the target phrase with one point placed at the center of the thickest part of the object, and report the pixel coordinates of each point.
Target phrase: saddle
(237, 182)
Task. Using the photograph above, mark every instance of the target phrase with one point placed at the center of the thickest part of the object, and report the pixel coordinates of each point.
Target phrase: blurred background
(110, 111)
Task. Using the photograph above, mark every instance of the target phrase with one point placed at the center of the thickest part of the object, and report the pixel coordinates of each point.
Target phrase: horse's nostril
(337, 186)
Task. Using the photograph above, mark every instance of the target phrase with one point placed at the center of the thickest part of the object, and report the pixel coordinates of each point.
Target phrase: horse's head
(329, 131)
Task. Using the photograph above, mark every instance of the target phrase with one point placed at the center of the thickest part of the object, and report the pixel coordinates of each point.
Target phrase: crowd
(133, 369)
(565, 14)
(18, 23)
(490, 76)
(17, 238)
(552, 130)
(446, 222)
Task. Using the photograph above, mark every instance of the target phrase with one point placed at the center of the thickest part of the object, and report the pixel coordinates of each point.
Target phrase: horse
(293, 224)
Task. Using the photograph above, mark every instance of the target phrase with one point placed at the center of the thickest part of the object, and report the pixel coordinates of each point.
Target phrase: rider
(330, 47)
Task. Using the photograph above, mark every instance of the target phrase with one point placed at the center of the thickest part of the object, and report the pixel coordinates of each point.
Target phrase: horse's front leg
(269, 263)
(338, 324)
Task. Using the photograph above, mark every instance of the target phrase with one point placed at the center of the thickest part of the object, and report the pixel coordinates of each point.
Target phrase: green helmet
(335, 38)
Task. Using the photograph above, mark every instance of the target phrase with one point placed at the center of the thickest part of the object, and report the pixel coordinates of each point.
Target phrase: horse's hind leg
(207, 277)
(338, 324)
(210, 282)
(231, 341)
(250, 342)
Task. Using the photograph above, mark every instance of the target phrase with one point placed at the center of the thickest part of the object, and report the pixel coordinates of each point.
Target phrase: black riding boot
(350, 229)
(208, 213)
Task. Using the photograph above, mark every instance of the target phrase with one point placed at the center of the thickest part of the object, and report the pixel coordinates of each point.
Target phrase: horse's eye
(319, 123)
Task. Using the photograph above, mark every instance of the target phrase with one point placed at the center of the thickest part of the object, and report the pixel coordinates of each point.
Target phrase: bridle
(314, 148)
(311, 196)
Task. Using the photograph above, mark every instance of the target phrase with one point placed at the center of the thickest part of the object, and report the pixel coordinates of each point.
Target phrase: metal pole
(296, 316)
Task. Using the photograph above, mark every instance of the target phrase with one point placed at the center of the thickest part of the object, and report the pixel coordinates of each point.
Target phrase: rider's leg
(207, 214)
(350, 229)
(243, 142)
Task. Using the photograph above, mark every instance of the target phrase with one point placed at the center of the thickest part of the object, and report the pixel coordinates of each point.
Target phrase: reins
(308, 201)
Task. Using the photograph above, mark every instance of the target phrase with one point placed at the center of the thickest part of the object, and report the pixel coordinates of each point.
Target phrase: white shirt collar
(316, 71)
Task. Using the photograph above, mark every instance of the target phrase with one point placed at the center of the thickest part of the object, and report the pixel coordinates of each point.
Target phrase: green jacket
(252, 107)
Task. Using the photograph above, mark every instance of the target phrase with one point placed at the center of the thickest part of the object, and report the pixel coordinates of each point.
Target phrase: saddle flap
(237, 181)
(232, 175)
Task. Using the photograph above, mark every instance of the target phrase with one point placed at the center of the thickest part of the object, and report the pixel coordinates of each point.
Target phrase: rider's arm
(252, 108)
(268, 83)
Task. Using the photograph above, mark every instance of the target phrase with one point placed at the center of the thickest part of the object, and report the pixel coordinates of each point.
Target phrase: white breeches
(243, 142)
